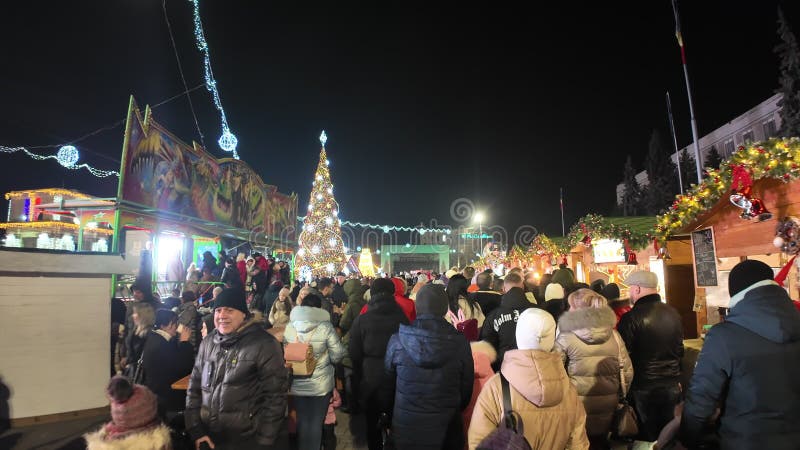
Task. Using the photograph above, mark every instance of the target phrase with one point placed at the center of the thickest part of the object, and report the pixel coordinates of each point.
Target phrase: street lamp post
(479, 217)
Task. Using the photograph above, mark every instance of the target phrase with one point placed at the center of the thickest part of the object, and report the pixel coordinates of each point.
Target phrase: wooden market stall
(706, 234)
(611, 248)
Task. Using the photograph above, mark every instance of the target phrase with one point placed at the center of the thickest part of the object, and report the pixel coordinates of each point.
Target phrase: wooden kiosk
(706, 234)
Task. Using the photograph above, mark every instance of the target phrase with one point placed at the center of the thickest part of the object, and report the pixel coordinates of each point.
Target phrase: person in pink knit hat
(134, 420)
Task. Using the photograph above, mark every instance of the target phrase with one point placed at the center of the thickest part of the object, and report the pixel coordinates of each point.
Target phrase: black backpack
(508, 435)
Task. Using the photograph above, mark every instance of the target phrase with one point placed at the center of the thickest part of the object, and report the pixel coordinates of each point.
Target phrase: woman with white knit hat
(541, 393)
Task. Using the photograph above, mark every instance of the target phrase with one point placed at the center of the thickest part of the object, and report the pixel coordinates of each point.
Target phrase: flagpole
(561, 196)
(675, 142)
(697, 158)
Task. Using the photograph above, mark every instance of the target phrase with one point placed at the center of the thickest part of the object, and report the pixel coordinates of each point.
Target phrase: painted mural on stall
(162, 172)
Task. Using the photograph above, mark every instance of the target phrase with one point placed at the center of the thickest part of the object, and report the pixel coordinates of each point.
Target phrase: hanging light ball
(67, 156)
(228, 141)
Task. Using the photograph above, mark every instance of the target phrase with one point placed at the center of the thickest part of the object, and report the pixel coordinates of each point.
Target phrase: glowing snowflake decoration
(323, 138)
(328, 221)
(315, 249)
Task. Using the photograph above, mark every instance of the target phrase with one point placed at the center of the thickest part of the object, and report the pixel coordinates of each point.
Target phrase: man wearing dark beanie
(750, 364)
(430, 364)
(239, 381)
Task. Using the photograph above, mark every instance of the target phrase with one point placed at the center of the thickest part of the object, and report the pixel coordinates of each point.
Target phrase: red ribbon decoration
(655, 245)
(780, 278)
(741, 175)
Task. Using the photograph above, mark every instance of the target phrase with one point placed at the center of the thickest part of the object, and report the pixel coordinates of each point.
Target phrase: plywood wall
(54, 351)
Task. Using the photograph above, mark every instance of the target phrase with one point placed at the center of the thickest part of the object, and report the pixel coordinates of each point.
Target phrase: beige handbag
(301, 356)
(625, 424)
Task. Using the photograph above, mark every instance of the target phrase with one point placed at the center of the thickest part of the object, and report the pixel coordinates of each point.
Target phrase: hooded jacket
(552, 415)
(483, 356)
(312, 325)
(431, 364)
(500, 327)
(406, 304)
(750, 364)
(653, 335)
(237, 390)
(355, 301)
(369, 336)
(593, 353)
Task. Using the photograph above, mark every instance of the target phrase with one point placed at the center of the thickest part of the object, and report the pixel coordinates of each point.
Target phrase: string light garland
(777, 158)
(388, 228)
(48, 191)
(66, 157)
(228, 140)
(59, 226)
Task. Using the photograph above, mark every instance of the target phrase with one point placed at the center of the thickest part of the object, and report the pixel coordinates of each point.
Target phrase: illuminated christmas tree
(321, 250)
(365, 265)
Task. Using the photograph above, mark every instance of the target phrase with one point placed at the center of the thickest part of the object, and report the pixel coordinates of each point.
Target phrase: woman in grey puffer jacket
(309, 323)
(594, 352)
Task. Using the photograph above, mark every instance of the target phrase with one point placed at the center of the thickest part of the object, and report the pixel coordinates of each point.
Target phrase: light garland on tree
(777, 158)
(67, 156)
(228, 140)
(543, 245)
(365, 264)
(321, 251)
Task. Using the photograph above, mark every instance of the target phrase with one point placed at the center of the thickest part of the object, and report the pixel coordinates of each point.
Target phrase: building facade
(757, 124)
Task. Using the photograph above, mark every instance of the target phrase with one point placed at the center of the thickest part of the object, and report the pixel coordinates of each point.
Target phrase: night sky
(421, 105)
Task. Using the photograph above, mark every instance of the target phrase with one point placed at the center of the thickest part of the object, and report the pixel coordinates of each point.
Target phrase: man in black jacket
(500, 326)
(230, 275)
(339, 296)
(369, 336)
(653, 334)
(485, 296)
(167, 358)
(237, 394)
(430, 363)
(750, 367)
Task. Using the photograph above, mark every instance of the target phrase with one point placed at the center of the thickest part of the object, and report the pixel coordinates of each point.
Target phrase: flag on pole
(561, 199)
(678, 34)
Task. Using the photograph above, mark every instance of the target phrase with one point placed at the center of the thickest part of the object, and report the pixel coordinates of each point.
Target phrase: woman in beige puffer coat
(593, 353)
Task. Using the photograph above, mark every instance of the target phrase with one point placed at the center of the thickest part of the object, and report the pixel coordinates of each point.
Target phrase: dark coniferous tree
(662, 176)
(789, 54)
(713, 159)
(632, 192)
(688, 169)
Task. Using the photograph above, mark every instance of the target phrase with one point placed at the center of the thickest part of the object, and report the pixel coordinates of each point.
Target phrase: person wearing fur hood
(593, 353)
(134, 420)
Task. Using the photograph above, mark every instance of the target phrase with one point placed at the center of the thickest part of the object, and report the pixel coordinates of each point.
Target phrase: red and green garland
(594, 226)
(775, 158)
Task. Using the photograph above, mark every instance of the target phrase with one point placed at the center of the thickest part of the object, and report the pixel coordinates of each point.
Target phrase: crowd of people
(441, 361)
